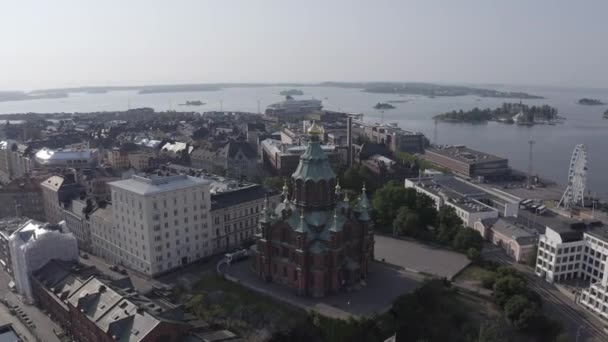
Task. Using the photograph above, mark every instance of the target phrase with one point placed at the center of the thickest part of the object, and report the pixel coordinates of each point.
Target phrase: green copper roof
(314, 164)
(318, 247)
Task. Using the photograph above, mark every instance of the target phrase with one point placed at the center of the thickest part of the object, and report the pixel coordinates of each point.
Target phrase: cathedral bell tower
(314, 180)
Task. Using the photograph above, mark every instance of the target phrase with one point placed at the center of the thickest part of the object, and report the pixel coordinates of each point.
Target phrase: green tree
(449, 223)
(506, 287)
(408, 223)
(274, 183)
(388, 199)
(467, 238)
(515, 306)
(474, 255)
(425, 207)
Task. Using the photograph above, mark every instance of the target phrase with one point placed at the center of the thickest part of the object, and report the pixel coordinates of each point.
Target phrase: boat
(292, 106)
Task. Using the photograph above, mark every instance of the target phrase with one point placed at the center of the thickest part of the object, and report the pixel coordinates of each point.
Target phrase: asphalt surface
(415, 256)
(44, 325)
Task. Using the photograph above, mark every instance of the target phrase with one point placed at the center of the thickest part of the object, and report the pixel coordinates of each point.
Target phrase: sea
(551, 152)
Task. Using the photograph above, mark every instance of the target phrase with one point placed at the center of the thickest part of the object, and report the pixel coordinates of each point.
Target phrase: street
(44, 325)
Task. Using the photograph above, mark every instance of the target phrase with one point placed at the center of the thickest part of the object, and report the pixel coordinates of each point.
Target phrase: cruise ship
(291, 107)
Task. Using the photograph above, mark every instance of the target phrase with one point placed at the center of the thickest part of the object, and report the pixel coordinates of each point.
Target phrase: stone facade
(314, 241)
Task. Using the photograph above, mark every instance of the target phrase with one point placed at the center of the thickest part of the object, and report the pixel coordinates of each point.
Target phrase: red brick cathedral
(314, 241)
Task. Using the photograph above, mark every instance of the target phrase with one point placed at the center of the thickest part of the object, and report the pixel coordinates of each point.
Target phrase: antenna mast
(530, 159)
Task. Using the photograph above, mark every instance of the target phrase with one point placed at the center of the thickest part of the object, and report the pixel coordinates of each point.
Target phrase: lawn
(222, 302)
(473, 273)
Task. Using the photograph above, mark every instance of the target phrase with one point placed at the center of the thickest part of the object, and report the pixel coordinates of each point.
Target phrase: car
(123, 271)
(114, 268)
(85, 256)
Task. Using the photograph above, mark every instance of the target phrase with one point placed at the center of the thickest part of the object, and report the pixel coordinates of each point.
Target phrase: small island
(292, 92)
(383, 105)
(193, 103)
(518, 113)
(590, 102)
(606, 114)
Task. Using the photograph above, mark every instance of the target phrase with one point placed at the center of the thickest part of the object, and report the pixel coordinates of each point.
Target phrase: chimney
(349, 137)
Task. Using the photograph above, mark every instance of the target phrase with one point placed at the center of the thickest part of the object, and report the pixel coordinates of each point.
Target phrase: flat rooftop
(463, 154)
(457, 192)
(156, 184)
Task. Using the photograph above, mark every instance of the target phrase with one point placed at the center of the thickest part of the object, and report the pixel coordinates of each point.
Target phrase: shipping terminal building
(468, 162)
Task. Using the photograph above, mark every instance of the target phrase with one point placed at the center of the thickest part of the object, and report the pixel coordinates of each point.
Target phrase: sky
(61, 43)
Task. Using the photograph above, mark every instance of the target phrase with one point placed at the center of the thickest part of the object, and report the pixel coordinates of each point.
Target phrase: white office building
(447, 191)
(158, 223)
(573, 251)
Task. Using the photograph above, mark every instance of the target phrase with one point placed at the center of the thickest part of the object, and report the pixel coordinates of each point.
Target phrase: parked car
(122, 271)
(114, 268)
(85, 256)
(236, 256)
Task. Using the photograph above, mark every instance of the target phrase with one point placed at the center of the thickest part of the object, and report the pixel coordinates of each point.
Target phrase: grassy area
(473, 273)
(219, 301)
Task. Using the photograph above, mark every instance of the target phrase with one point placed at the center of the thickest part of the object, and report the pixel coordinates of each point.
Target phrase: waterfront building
(452, 193)
(468, 162)
(159, 221)
(314, 242)
(390, 135)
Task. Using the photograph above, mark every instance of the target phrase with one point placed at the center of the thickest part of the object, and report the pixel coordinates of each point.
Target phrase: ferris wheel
(577, 178)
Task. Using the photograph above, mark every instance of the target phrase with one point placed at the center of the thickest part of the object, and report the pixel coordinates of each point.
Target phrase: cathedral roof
(314, 164)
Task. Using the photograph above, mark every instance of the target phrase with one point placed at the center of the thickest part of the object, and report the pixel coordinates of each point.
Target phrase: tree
(388, 199)
(467, 238)
(506, 287)
(474, 255)
(274, 183)
(449, 223)
(408, 223)
(515, 306)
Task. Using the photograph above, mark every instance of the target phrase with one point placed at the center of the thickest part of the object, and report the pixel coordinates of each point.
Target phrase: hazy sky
(72, 43)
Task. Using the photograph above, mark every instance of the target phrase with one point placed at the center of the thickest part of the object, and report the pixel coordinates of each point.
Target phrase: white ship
(293, 107)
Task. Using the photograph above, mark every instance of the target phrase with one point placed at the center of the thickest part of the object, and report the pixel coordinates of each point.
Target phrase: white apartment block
(159, 223)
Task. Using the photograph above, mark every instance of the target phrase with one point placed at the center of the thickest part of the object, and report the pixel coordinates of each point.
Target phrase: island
(429, 89)
(606, 114)
(22, 96)
(292, 92)
(193, 103)
(590, 102)
(508, 113)
(383, 105)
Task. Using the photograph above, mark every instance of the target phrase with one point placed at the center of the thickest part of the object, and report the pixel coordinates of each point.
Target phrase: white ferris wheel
(577, 179)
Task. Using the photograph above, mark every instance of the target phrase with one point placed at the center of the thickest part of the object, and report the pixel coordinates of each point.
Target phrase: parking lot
(419, 257)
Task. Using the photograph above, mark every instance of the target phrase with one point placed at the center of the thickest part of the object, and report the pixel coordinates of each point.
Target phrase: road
(44, 325)
(575, 319)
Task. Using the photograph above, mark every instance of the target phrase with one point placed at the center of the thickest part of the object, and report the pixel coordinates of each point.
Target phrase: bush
(474, 255)
(487, 282)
